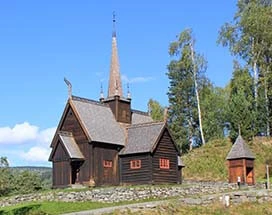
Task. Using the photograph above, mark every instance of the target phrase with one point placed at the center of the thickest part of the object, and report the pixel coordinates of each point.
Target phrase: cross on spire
(113, 24)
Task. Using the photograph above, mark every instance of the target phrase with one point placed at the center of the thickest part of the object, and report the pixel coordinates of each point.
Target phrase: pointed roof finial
(128, 92)
(101, 92)
(69, 85)
(113, 22)
(239, 130)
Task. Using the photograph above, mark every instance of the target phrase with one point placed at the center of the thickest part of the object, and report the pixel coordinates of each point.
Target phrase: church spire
(115, 84)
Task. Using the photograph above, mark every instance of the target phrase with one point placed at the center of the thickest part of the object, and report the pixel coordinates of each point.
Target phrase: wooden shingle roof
(139, 117)
(240, 150)
(98, 121)
(142, 137)
(70, 145)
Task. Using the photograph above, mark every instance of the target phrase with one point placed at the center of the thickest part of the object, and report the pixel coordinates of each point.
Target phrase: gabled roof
(98, 121)
(140, 117)
(142, 137)
(240, 150)
(66, 139)
(70, 145)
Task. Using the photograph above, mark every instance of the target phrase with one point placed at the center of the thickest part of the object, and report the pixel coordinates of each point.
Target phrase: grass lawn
(51, 208)
(215, 209)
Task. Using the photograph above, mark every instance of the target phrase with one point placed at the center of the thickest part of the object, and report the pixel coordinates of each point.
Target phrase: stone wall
(188, 193)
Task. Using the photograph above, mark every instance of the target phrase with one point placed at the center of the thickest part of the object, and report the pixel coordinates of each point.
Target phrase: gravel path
(136, 206)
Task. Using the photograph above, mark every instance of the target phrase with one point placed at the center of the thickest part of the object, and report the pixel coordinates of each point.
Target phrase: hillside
(208, 162)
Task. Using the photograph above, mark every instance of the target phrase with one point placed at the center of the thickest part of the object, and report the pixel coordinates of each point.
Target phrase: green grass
(215, 209)
(51, 208)
(208, 163)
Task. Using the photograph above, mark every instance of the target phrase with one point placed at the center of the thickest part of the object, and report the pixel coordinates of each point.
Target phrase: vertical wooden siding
(71, 124)
(61, 167)
(236, 169)
(165, 149)
(61, 173)
(136, 176)
(106, 175)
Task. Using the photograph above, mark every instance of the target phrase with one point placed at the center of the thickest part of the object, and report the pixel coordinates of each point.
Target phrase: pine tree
(184, 73)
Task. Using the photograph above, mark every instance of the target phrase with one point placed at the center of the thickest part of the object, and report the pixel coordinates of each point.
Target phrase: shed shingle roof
(240, 150)
(99, 121)
(70, 145)
(142, 137)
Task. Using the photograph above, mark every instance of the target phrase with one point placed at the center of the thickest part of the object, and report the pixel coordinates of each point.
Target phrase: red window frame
(164, 163)
(107, 163)
(135, 164)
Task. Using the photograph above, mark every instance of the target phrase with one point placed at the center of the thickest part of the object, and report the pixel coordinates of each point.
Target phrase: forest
(198, 110)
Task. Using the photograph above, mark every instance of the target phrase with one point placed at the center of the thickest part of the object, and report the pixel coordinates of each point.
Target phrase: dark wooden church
(106, 142)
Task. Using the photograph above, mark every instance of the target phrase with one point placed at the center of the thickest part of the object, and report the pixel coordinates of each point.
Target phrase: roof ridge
(145, 124)
(140, 112)
(91, 101)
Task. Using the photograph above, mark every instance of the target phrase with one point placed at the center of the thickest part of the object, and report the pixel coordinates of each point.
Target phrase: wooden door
(249, 176)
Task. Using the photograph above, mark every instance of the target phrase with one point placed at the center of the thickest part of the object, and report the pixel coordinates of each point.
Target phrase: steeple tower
(119, 105)
(115, 84)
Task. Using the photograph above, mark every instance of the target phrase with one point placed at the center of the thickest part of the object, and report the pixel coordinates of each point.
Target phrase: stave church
(106, 142)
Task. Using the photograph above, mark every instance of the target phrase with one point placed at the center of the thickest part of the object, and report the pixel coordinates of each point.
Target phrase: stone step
(77, 186)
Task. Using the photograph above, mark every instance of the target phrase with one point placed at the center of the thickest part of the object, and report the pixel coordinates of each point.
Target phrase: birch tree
(248, 37)
(184, 72)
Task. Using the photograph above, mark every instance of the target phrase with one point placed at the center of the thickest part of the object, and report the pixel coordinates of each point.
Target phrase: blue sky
(41, 42)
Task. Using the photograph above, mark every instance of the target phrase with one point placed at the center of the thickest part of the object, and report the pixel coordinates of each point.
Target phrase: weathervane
(69, 85)
(113, 22)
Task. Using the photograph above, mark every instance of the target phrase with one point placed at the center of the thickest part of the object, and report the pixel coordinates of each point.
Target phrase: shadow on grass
(25, 210)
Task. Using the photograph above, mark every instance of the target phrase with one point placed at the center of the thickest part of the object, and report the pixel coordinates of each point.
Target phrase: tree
(249, 38)
(5, 176)
(241, 110)
(27, 182)
(156, 110)
(184, 73)
(214, 102)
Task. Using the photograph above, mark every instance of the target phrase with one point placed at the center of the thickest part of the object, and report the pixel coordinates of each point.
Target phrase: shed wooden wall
(136, 176)
(106, 175)
(236, 168)
(71, 124)
(165, 149)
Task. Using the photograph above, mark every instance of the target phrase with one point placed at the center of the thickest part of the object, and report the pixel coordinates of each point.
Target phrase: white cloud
(136, 79)
(36, 154)
(18, 134)
(25, 132)
(45, 136)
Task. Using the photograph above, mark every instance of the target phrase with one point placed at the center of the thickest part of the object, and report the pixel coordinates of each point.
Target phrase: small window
(164, 163)
(135, 164)
(107, 163)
